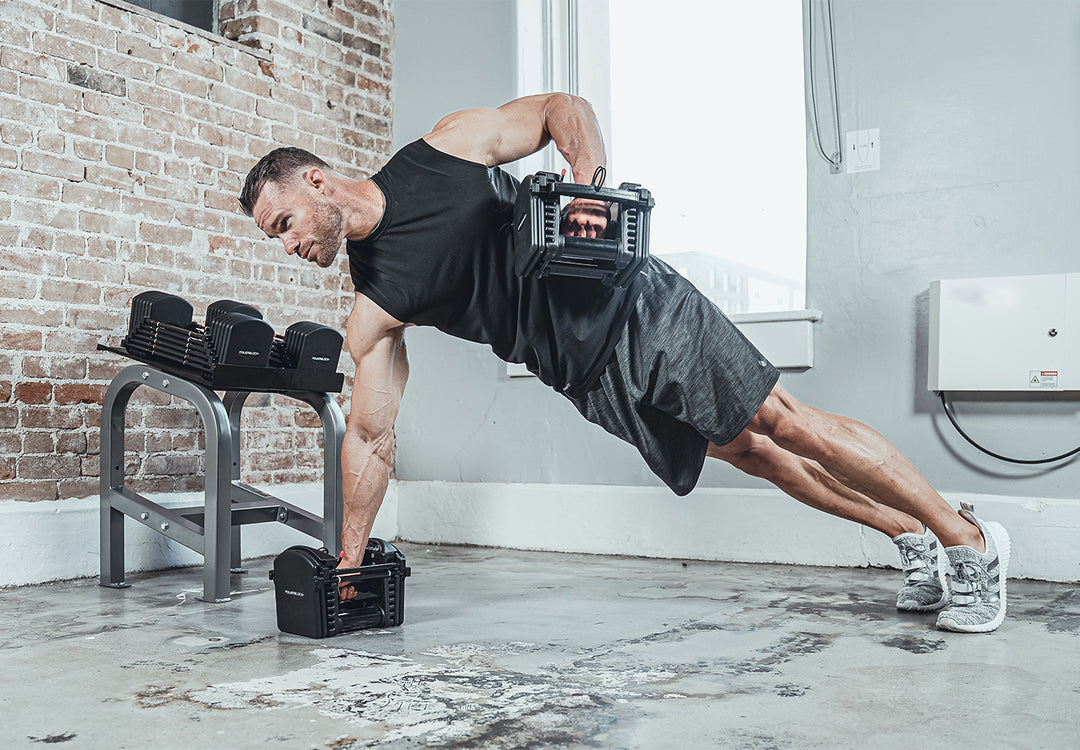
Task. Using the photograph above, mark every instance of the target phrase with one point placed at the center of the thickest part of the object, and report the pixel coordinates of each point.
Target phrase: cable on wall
(831, 43)
(1027, 461)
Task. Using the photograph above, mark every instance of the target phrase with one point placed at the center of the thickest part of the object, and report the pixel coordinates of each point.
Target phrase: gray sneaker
(978, 580)
(924, 581)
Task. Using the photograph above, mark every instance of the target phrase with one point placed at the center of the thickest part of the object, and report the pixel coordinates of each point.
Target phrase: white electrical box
(1017, 333)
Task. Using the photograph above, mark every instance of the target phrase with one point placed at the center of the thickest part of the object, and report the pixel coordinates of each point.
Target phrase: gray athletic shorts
(682, 376)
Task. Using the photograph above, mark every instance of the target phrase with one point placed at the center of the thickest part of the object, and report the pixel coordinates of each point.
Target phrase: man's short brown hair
(277, 166)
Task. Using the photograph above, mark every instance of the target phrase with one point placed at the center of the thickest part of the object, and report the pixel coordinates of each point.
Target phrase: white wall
(977, 106)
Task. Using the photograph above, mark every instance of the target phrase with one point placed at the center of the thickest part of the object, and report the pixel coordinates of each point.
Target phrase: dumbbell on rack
(235, 348)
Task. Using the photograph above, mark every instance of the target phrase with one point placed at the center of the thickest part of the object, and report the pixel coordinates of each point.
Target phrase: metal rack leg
(333, 424)
(111, 472)
(234, 404)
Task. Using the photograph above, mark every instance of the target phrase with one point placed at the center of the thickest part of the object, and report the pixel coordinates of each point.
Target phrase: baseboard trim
(51, 541)
(59, 540)
(734, 525)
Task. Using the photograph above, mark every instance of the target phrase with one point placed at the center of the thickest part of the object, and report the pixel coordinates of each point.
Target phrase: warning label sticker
(1043, 379)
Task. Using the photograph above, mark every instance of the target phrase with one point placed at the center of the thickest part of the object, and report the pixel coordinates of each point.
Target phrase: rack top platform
(239, 378)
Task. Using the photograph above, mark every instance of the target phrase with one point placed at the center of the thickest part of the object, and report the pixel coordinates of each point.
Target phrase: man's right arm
(377, 346)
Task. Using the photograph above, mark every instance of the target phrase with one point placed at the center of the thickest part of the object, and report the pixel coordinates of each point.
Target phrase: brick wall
(124, 139)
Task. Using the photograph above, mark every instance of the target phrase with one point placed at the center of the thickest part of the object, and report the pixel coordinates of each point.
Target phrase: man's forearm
(365, 476)
(572, 124)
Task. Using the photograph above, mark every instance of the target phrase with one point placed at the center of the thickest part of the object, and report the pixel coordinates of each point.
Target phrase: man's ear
(316, 178)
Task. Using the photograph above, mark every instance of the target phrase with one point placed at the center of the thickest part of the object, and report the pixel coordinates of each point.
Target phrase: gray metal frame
(228, 503)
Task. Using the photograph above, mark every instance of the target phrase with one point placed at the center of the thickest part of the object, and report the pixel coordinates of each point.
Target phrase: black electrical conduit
(1028, 461)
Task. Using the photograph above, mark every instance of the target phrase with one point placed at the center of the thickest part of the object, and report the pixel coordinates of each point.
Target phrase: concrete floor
(507, 649)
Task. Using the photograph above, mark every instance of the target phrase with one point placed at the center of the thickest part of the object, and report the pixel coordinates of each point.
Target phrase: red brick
(14, 134)
(71, 292)
(91, 466)
(78, 393)
(92, 33)
(150, 209)
(131, 68)
(121, 157)
(43, 214)
(52, 142)
(205, 154)
(62, 47)
(93, 269)
(38, 238)
(172, 464)
(145, 162)
(98, 320)
(89, 126)
(54, 166)
(87, 150)
(140, 48)
(56, 369)
(52, 417)
(200, 218)
(5, 395)
(9, 82)
(67, 342)
(110, 106)
(199, 66)
(173, 236)
(31, 64)
(49, 467)
(92, 196)
(18, 287)
(38, 441)
(33, 392)
(73, 441)
(21, 341)
(28, 491)
(152, 94)
(75, 488)
(29, 314)
(43, 188)
(159, 417)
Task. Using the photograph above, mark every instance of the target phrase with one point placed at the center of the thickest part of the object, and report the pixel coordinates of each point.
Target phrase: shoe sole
(923, 607)
(1004, 549)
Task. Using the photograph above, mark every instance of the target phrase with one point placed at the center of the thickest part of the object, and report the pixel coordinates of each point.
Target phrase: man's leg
(864, 461)
(809, 483)
(924, 588)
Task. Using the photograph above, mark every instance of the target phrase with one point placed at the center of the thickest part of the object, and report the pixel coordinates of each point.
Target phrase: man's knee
(749, 452)
(783, 420)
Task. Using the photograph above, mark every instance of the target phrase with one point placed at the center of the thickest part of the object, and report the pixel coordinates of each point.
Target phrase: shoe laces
(970, 582)
(917, 559)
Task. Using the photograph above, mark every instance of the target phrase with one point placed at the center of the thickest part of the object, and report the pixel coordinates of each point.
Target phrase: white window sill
(785, 338)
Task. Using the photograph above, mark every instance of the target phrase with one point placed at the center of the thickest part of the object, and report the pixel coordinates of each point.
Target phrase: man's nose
(291, 245)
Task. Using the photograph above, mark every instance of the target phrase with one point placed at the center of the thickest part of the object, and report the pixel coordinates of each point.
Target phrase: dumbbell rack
(213, 529)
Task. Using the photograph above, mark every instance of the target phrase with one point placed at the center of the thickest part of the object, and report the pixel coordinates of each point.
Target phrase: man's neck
(368, 204)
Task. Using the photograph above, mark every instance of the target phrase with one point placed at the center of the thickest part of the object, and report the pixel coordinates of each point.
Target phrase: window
(702, 103)
(201, 14)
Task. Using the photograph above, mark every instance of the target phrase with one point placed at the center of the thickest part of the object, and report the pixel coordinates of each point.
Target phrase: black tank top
(442, 256)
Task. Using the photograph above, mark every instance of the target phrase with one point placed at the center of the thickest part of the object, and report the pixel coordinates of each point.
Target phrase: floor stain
(915, 645)
(54, 739)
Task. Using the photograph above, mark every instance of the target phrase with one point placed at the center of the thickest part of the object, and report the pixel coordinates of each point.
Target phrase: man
(655, 363)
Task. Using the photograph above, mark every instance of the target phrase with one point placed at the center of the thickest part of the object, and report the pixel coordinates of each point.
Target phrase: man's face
(585, 218)
(308, 223)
